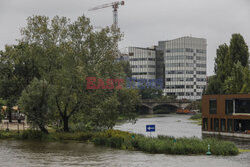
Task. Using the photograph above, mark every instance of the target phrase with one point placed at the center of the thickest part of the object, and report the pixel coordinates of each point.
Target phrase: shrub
(34, 135)
(196, 116)
(9, 134)
(126, 140)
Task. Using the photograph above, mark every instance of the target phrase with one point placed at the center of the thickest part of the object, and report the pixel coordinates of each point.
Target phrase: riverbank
(129, 141)
(197, 118)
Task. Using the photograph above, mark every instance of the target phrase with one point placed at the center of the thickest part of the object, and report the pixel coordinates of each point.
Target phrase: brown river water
(15, 153)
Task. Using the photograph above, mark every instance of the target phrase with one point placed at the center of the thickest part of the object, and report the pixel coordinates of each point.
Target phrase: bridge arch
(165, 108)
(151, 104)
(151, 108)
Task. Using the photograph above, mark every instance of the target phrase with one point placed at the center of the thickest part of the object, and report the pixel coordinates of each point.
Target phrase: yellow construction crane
(115, 6)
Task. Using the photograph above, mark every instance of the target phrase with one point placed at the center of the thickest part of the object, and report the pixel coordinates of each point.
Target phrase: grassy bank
(126, 140)
(197, 118)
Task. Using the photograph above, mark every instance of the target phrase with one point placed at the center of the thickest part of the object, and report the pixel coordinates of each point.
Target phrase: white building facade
(185, 67)
(142, 62)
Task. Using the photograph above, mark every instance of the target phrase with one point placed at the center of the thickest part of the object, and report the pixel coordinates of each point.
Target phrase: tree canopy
(64, 53)
(231, 68)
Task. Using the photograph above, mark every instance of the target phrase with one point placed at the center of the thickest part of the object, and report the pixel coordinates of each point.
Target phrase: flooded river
(15, 153)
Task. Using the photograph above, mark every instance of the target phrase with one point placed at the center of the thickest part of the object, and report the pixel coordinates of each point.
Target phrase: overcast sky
(144, 22)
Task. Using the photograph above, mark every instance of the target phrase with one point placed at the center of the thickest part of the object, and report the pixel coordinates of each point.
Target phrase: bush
(81, 136)
(114, 138)
(164, 144)
(34, 135)
(196, 116)
(9, 134)
(126, 140)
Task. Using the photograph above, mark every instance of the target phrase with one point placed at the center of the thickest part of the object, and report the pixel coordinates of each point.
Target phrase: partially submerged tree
(36, 102)
(70, 52)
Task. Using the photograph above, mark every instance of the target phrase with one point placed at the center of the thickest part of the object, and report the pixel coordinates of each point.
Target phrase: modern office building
(142, 62)
(185, 66)
(180, 63)
(122, 57)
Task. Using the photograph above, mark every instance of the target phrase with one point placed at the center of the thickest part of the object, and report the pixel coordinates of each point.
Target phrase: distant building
(185, 66)
(142, 62)
(180, 63)
(122, 57)
(226, 115)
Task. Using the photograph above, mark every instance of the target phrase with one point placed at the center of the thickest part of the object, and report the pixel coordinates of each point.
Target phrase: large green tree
(68, 53)
(17, 69)
(238, 50)
(221, 65)
(231, 64)
(239, 80)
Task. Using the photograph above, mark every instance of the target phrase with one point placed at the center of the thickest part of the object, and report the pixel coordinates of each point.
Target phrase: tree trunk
(66, 124)
(9, 113)
(43, 129)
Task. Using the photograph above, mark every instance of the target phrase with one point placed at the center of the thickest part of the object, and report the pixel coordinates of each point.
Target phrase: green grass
(197, 118)
(244, 150)
(125, 140)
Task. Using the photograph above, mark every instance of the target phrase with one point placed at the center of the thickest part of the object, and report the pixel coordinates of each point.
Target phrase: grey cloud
(144, 22)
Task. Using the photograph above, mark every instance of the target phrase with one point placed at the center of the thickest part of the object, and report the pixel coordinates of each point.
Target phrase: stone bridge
(153, 103)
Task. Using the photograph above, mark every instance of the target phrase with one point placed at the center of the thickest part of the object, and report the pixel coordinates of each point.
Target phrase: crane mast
(115, 6)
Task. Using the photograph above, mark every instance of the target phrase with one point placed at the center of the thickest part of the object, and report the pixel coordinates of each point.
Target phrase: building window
(190, 79)
(139, 73)
(229, 107)
(211, 124)
(223, 125)
(189, 50)
(189, 72)
(229, 125)
(189, 93)
(189, 64)
(242, 106)
(200, 51)
(216, 124)
(189, 86)
(201, 72)
(151, 66)
(131, 54)
(180, 93)
(205, 124)
(212, 106)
